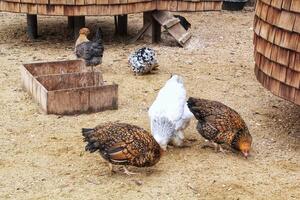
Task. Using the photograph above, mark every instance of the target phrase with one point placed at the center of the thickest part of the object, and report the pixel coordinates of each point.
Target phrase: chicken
(142, 61)
(169, 114)
(123, 144)
(220, 124)
(90, 51)
(184, 22)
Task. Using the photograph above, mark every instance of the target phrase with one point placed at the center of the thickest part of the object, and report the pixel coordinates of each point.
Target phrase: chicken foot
(211, 144)
(127, 172)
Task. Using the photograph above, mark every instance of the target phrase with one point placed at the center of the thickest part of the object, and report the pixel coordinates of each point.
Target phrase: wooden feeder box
(67, 87)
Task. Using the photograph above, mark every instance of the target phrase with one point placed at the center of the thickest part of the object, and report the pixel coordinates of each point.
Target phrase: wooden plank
(296, 27)
(293, 78)
(283, 57)
(297, 62)
(71, 80)
(69, 93)
(287, 20)
(102, 98)
(170, 22)
(33, 87)
(68, 102)
(277, 3)
(156, 30)
(297, 97)
(286, 92)
(177, 31)
(28, 8)
(286, 4)
(295, 6)
(55, 67)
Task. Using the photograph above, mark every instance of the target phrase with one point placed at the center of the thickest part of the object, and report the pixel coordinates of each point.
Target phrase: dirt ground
(43, 157)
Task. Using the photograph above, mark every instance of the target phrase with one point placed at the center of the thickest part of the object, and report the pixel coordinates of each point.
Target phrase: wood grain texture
(104, 7)
(277, 47)
(66, 87)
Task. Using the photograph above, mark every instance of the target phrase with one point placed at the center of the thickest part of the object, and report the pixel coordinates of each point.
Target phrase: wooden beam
(32, 26)
(122, 21)
(79, 22)
(156, 31)
(147, 19)
(71, 22)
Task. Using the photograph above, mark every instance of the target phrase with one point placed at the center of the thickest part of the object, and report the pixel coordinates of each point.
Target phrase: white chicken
(169, 114)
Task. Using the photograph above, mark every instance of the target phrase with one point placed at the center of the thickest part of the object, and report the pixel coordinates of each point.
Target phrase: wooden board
(173, 26)
(105, 7)
(67, 87)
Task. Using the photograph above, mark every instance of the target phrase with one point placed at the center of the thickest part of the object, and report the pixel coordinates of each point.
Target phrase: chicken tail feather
(86, 132)
(99, 35)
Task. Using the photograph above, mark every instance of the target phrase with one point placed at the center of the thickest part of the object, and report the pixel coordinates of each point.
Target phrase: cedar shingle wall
(277, 47)
(105, 7)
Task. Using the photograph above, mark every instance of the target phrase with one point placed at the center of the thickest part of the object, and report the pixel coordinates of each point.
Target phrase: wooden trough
(277, 47)
(66, 87)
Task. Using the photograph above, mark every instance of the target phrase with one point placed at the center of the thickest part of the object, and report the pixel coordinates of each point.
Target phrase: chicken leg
(127, 172)
(211, 144)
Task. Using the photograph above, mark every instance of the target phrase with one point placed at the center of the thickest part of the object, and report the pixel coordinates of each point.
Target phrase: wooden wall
(277, 47)
(104, 7)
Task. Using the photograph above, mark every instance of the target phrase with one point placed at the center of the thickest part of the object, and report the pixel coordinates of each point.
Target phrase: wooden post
(71, 22)
(147, 18)
(122, 21)
(156, 31)
(79, 22)
(32, 26)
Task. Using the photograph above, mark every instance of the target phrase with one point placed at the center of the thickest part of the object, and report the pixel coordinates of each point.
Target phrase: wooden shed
(77, 9)
(277, 47)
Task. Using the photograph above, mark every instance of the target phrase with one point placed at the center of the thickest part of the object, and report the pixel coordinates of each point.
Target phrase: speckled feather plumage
(123, 144)
(142, 61)
(217, 122)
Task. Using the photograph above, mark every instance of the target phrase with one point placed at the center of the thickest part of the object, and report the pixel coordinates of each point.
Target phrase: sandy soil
(43, 157)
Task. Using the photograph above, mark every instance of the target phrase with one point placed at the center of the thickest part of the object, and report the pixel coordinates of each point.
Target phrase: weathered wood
(156, 30)
(64, 88)
(276, 47)
(172, 25)
(55, 67)
(32, 29)
(107, 7)
(142, 32)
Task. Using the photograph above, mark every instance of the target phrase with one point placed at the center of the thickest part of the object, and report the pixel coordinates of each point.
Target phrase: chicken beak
(246, 154)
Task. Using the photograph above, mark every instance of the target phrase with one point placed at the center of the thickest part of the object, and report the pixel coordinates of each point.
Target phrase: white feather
(170, 103)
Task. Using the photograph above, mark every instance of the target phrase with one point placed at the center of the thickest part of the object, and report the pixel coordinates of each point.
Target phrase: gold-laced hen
(123, 144)
(220, 124)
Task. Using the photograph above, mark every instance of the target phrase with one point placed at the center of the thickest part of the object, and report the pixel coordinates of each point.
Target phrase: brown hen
(220, 124)
(123, 144)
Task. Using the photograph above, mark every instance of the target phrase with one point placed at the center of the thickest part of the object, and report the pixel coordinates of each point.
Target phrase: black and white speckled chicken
(90, 51)
(220, 124)
(123, 144)
(143, 61)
